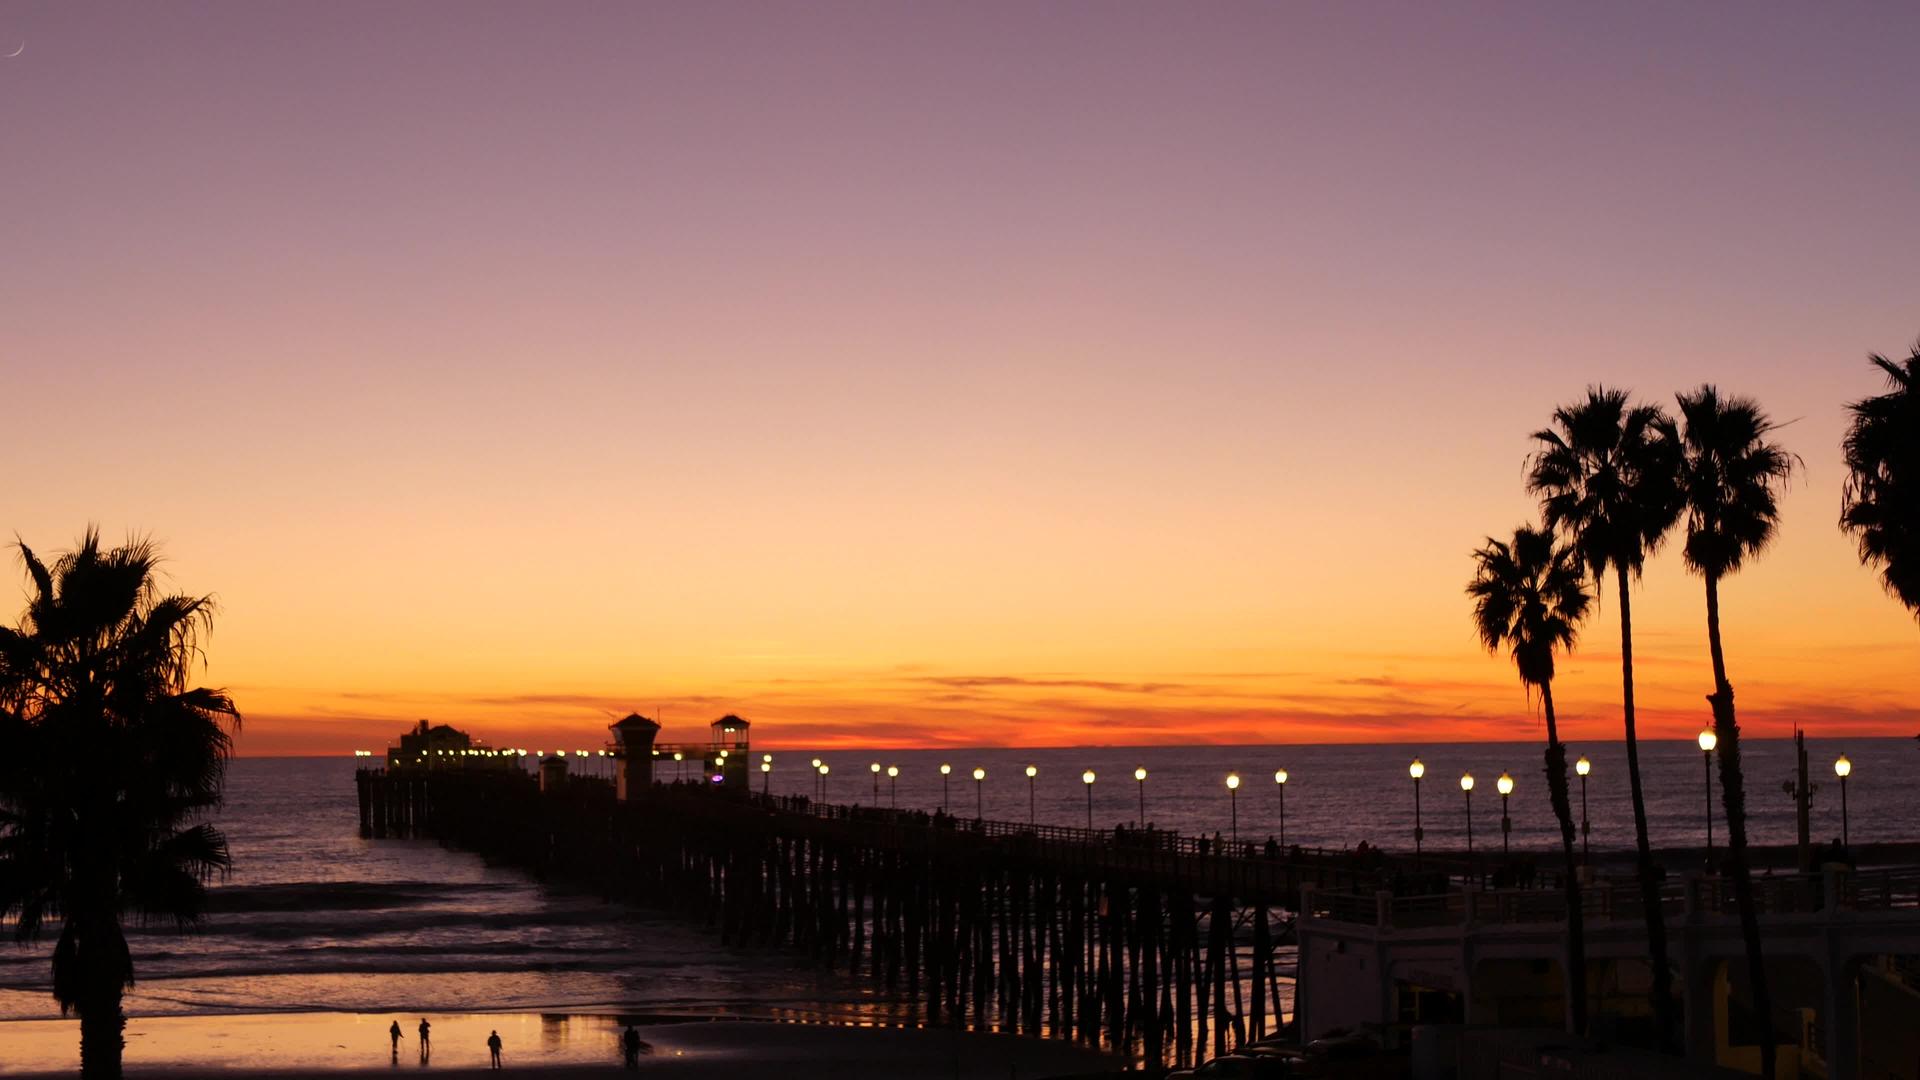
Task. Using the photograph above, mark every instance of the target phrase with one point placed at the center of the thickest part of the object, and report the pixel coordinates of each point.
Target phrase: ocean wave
(349, 895)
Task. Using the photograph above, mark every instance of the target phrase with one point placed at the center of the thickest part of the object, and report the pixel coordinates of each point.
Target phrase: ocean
(313, 918)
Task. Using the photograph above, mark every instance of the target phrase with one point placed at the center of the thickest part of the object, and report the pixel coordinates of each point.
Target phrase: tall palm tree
(1881, 503)
(1731, 475)
(1607, 473)
(1530, 595)
(108, 759)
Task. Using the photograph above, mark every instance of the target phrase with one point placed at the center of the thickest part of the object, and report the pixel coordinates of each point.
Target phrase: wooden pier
(1148, 943)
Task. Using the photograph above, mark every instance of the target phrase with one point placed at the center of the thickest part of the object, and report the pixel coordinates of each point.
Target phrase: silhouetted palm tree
(1731, 475)
(1608, 476)
(1881, 504)
(1529, 595)
(107, 760)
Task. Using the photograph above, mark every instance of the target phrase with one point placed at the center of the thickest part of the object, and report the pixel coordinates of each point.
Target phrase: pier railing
(1198, 862)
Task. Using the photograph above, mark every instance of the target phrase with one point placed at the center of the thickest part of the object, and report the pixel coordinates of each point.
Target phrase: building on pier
(632, 747)
(727, 753)
(723, 761)
(443, 746)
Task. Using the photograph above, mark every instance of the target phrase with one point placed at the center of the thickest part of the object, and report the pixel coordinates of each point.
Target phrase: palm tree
(107, 761)
(1607, 473)
(1881, 504)
(1529, 595)
(1731, 475)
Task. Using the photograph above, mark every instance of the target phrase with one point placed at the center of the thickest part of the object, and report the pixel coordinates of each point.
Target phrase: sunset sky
(907, 374)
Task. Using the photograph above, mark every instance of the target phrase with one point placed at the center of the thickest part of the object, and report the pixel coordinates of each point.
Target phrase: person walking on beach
(394, 1033)
(426, 1040)
(493, 1048)
(630, 1045)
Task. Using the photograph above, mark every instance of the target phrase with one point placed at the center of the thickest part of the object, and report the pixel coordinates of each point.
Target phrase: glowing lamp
(1032, 772)
(979, 774)
(1842, 767)
(1140, 773)
(1583, 766)
(1416, 770)
(1233, 781)
(1466, 781)
(1708, 740)
(1505, 784)
(1087, 777)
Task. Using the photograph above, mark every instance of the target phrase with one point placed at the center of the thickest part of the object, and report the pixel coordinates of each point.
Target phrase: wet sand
(294, 1045)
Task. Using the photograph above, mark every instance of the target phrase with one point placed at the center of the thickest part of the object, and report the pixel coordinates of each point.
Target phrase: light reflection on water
(459, 1041)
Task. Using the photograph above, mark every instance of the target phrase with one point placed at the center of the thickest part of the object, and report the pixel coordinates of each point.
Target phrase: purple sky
(708, 347)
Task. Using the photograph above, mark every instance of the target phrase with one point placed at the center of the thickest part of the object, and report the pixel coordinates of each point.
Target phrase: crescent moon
(16, 52)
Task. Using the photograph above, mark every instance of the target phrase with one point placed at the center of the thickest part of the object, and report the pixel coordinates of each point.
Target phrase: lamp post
(1583, 767)
(1707, 742)
(1031, 771)
(1466, 785)
(823, 781)
(979, 795)
(1843, 768)
(1505, 784)
(875, 767)
(816, 778)
(893, 787)
(1233, 807)
(944, 771)
(679, 766)
(1087, 779)
(1280, 781)
(1140, 778)
(766, 777)
(1417, 770)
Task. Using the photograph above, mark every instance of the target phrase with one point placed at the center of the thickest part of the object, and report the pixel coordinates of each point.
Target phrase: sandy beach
(327, 1044)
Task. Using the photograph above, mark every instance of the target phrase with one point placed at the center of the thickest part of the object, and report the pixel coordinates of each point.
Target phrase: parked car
(1344, 1047)
(1238, 1066)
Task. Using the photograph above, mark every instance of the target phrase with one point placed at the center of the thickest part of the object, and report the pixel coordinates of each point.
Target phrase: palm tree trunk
(102, 1033)
(1663, 1013)
(1733, 795)
(1563, 810)
(91, 980)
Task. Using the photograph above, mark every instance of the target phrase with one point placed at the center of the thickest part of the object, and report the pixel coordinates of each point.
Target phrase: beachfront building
(1840, 948)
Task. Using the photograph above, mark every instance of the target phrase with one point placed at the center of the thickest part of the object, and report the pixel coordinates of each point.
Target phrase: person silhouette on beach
(426, 1040)
(394, 1033)
(493, 1048)
(630, 1045)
